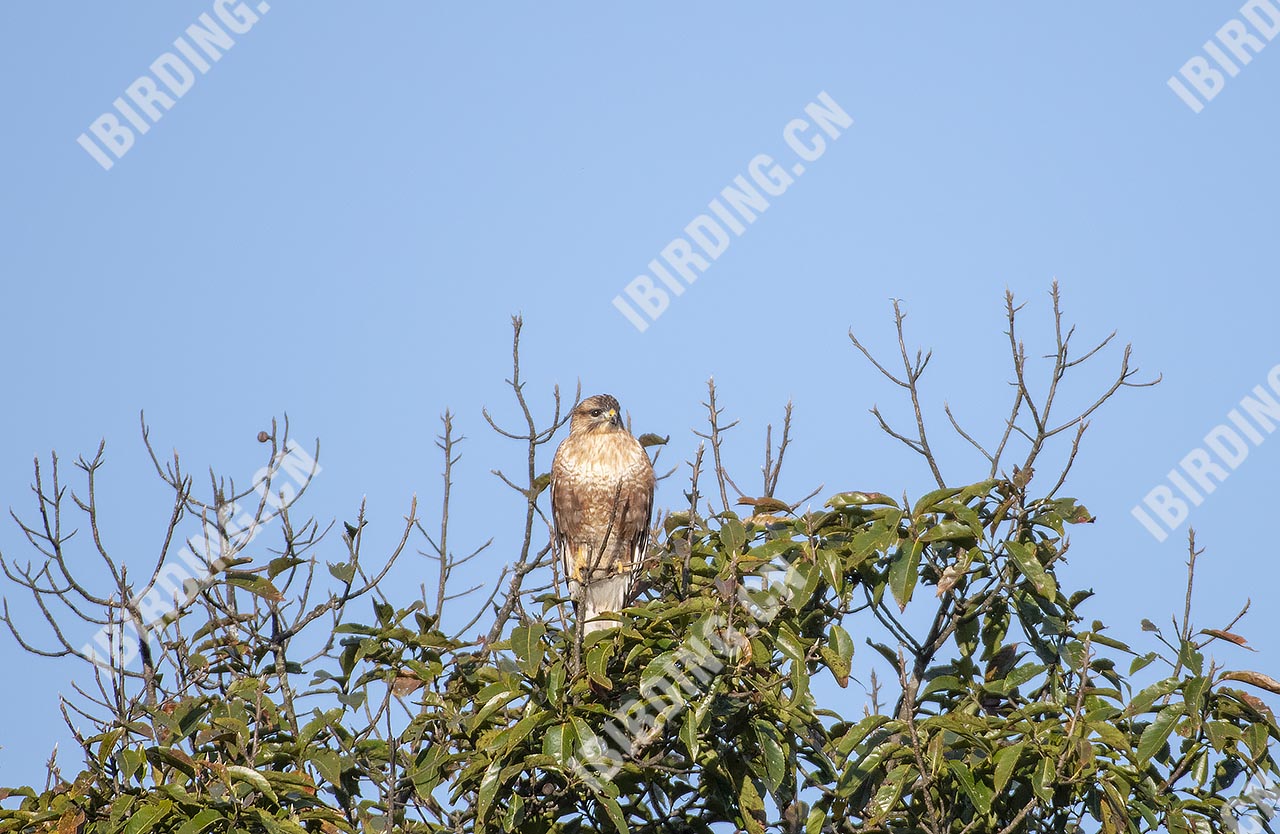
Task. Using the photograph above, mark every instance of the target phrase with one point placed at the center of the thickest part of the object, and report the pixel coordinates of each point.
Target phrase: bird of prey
(601, 504)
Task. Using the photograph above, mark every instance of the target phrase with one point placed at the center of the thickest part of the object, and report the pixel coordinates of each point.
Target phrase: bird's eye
(596, 412)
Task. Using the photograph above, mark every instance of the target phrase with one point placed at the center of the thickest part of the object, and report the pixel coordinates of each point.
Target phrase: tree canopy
(278, 693)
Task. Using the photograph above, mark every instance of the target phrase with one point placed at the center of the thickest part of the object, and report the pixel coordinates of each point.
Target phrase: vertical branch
(445, 443)
(936, 823)
(914, 372)
(1192, 553)
(910, 382)
(533, 437)
(716, 437)
(683, 547)
(1184, 630)
(772, 468)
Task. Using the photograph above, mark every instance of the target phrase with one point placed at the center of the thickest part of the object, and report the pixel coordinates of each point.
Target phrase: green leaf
(962, 512)
(526, 642)
(1015, 678)
(1071, 512)
(145, 818)
(254, 584)
(1200, 770)
(966, 636)
(838, 654)
(858, 499)
(614, 810)
(832, 569)
(733, 536)
(751, 806)
(598, 664)
(890, 790)
(1142, 661)
(771, 550)
(522, 729)
(979, 794)
(974, 490)
(539, 485)
(1191, 657)
(774, 758)
(200, 822)
(1115, 810)
(1256, 737)
(495, 703)
(859, 733)
(1103, 640)
(689, 734)
(948, 530)
(344, 572)
(817, 816)
(1042, 784)
(589, 746)
(878, 538)
(904, 571)
(791, 644)
(1144, 699)
(655, 672)
(280, 564)
(1024, 556)
(555, 684)
(1157, 732)
(800, 682)
(255, 779)
(800, 584)
(1111, 735)
(249, 689)
(107, 743)
(887, 653)
(931, 499)
(942, 683)
(489, 785)
(553, 743)
(514, 816)
(1222, 733)
(1193, 694)
(121, 807)
(1006, 760)
(328, 763)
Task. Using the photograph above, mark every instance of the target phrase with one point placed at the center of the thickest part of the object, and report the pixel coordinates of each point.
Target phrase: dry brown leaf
(406, 684)
(1226, 635)
(71, 821)
(1255, 679)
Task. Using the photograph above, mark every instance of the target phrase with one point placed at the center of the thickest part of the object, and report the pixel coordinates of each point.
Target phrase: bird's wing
(566, 512)
(638, 513)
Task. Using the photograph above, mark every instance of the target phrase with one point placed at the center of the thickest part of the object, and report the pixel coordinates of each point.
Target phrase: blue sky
(340, 217)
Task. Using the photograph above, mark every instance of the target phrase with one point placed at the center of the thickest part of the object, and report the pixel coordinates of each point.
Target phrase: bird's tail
(602, 596)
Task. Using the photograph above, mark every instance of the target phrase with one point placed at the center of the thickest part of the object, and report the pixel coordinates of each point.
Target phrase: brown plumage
(601, 503)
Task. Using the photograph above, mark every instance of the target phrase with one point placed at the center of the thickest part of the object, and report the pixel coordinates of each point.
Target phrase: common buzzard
(601, 504)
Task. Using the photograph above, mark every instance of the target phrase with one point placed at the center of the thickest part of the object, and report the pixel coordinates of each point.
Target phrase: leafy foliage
(704, 710)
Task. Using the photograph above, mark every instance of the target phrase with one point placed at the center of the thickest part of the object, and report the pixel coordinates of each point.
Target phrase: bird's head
(598, 413)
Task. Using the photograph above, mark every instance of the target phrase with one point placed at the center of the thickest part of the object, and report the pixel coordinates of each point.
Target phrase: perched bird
(601, 504)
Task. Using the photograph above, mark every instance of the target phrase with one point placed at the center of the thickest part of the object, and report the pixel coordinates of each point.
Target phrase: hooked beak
(615, 417)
